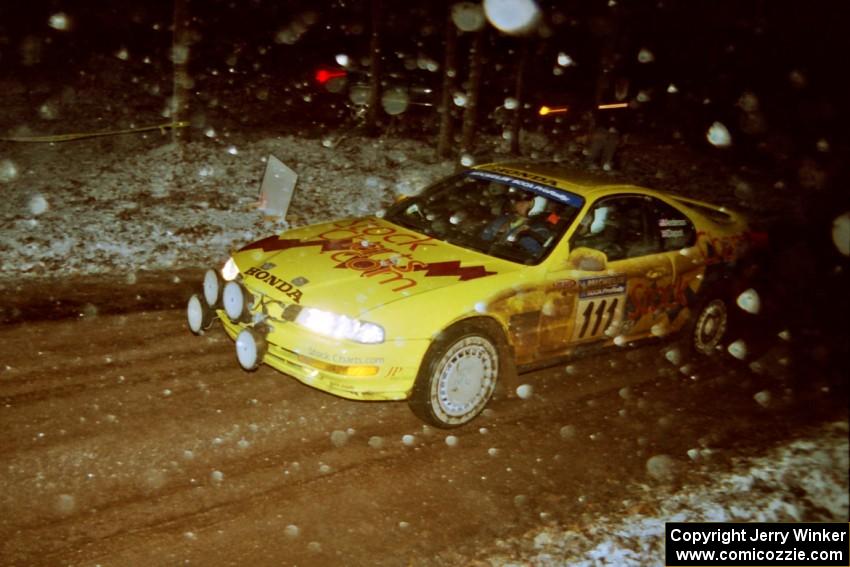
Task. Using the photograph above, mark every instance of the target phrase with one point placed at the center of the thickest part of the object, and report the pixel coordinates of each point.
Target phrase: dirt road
(125, 440)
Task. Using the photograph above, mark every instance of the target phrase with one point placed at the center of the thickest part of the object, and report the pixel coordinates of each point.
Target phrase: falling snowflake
(738, 349)
(565, 60)
(8, 171)
(525, 391)
(718, 135)
(59, 21)
(468, 16)
(841, 233)
(646, 56)
(749, 301)
(38, 205)
(513, 17)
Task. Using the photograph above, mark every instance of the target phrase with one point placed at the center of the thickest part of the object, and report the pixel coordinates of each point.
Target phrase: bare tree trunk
(180, 59)
(471, 109)
(607, 34)
(371, 124)
(516, 123)
(444, 140)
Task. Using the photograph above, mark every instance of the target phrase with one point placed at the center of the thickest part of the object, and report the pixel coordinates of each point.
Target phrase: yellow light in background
(613, 105)
(545, 110)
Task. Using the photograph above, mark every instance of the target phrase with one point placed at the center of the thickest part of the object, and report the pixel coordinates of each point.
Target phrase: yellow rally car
(449, 292)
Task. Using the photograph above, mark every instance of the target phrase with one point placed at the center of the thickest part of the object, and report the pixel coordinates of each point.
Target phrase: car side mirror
(587, 260)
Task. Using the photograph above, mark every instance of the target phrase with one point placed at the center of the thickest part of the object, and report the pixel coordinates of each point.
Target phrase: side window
(670, 227)
(616, 226)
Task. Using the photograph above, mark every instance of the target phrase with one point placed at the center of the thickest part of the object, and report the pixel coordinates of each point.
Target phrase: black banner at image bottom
(757, 544)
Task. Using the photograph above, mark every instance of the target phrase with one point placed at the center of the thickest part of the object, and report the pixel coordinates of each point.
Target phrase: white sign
(276, 190)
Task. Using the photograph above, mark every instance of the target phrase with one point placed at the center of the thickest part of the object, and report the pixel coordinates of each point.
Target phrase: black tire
(460, 373)
(707, 327)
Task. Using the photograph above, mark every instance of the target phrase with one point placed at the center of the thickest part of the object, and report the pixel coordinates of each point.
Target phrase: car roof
(593, 185)
(584, 183)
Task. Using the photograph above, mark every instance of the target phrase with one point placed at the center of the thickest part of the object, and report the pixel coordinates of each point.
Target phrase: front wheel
(458, 375)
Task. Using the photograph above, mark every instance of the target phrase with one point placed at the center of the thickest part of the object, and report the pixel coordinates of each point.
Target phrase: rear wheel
(459, 374)
(708, 327)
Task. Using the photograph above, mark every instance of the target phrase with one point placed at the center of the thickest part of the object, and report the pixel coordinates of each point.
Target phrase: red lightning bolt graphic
(273, 243)
(452, 268)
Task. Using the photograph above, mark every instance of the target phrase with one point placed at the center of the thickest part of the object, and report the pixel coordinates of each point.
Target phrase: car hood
(353, 266)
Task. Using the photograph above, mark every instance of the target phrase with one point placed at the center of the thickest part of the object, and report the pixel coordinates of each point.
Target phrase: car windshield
(506, 217)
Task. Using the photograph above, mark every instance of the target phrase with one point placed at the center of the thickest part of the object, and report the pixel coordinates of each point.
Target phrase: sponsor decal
(652, 298)
(668, 233)
(277, 283)
(672, 222)
(563, 284)
(720, 249)
(599, 307)
(530, 183)
(343, 360)
(602, 286)
(527, 175)
(361, 245)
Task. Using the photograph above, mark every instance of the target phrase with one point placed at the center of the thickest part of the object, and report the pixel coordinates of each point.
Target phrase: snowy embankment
(75, 209)
(803, 480)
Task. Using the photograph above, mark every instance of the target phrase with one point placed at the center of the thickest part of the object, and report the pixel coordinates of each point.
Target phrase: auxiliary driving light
(237, 302)
(250, 348)
(212, 286)
(199, 315)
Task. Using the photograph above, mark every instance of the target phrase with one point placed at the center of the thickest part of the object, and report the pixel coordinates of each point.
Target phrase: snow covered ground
(74, 209)
(804, 480)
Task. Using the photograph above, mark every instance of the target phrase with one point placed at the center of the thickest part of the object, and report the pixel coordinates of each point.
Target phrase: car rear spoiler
(720, 215)
(758, 239)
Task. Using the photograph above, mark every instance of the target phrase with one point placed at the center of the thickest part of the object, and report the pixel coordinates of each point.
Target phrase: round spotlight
(237, 302)
(250, 349)
(198, 314)
(212, 286)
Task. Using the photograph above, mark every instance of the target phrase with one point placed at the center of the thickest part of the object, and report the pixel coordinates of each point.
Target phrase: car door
(676, 239)
(619, 299)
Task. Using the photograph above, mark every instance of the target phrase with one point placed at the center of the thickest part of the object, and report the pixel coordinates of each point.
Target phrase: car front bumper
(343, 368)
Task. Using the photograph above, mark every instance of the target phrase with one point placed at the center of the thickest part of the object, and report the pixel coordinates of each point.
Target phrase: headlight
(339, 326)
(229, 271)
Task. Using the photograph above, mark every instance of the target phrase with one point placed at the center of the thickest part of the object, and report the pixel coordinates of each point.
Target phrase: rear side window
(617, 227)
(671, 228)
(714, 214)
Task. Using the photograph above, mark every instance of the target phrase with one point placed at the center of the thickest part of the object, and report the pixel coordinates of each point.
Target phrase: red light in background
(324, 75)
